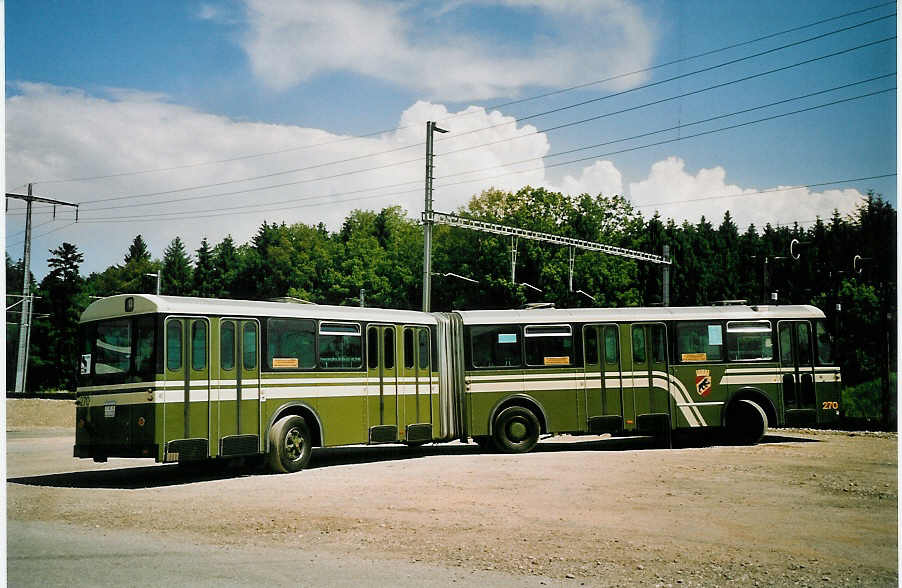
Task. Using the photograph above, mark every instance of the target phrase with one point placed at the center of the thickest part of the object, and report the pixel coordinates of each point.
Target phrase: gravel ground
(802, 508)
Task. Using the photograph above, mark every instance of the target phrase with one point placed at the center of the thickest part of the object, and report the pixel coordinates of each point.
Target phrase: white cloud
(678, 194)
(57, 133)
(62, 133)
(288, 43)
(599, 178)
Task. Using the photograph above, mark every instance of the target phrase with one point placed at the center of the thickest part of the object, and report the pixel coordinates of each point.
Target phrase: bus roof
(114, 307)
(636, 314)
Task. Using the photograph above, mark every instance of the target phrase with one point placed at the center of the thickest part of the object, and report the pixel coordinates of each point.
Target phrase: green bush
(865, 399)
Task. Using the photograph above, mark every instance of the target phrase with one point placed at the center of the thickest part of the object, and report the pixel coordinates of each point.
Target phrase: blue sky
(102, 88)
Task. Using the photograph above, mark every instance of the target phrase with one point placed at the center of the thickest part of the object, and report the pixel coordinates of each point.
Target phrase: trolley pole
(427, 224)
(25, 317)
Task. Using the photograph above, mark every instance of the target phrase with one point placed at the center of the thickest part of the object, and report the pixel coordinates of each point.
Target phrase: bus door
(604, 379)
(797, 367)
(240, 411)
(648, 342)
(415, 393)
(382, 384)
(187, 407)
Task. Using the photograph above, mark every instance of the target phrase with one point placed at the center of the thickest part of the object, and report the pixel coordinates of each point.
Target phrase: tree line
(380, 254)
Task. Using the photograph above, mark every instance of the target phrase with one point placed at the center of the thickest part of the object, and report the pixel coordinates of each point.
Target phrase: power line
(684, 125)
(769, 191)
(664, 142)
(44, 234)
(463, 114)
(342, 174)
(668, 99)
(514, 121)
(688, 74)
(684, 59)
(183, 213)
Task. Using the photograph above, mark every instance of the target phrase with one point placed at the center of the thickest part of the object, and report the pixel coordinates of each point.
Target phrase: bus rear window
(118, 351)
(112, 347)
(824, 344)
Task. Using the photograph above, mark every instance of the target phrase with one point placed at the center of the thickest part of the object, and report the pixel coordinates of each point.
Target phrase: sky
(204, 119)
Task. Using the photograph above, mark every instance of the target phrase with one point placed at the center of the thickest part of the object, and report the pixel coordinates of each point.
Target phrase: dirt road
(798, 509)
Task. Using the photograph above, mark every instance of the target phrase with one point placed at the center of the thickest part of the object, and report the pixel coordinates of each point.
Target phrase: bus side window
(699, 341)
(198, 345)
(250, 346)
(227, 345)
(638, 344)
(496, 346)
(389, 352)
(423, 336)
(659, 343)
(591, 345)
(611, 349)
(372, 349)
(408, 348)
(173, 345)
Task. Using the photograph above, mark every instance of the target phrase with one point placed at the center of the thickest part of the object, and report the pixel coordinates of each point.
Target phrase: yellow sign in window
(285, 362)
(565, 360)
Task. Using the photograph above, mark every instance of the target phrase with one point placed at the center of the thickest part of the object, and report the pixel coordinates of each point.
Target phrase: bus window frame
(525, 360)
(678, 349)
(471, 344)
(773, 343)
(359, 328)
(266, 363)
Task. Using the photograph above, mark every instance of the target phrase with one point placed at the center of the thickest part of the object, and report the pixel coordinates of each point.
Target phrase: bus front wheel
(516, 430)
(290, 445)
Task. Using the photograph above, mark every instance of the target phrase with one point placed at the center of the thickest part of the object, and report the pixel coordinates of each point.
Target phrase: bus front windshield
(117, 351)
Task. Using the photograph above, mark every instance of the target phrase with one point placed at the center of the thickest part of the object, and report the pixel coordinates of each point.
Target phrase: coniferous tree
(176, 269)
(204, 272)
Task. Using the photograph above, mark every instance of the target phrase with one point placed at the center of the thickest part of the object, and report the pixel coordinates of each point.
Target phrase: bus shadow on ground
(161, 475)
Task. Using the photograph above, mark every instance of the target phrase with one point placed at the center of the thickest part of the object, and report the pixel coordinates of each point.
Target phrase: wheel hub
(294, 444)
(517, 431)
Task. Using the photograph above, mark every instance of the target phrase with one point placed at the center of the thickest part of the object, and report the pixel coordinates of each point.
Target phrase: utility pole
(666, 277)
(427, 216)
(25, 318)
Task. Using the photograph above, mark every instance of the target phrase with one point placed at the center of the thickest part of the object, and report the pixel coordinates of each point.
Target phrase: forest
(381, 254)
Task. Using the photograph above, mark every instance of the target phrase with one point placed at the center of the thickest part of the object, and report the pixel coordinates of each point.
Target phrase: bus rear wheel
(746, 422)
(290, 445)
(516, 430)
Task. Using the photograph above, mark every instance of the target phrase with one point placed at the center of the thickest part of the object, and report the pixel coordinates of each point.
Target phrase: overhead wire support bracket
(443, 218)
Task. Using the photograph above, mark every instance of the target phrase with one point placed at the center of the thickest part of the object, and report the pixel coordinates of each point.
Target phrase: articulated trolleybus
(185, 379)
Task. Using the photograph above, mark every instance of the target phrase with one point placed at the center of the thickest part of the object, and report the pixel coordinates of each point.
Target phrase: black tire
(290, 445)
(746, 422)
(486, 444)
(516, 430)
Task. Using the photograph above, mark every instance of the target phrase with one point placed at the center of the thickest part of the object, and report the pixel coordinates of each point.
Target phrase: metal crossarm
(443, 218)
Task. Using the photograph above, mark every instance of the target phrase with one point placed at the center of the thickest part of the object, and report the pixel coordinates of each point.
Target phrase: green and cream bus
(183, 379)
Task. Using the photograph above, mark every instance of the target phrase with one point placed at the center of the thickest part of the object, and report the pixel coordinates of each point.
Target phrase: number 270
(830, 404)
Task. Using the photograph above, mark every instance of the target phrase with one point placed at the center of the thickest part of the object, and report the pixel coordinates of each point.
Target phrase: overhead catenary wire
(557, 154)
(768, 191)
(507, 123)
(666, 141)
(130, 197)
(395, 185)
(688, 74)
(464, 114)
